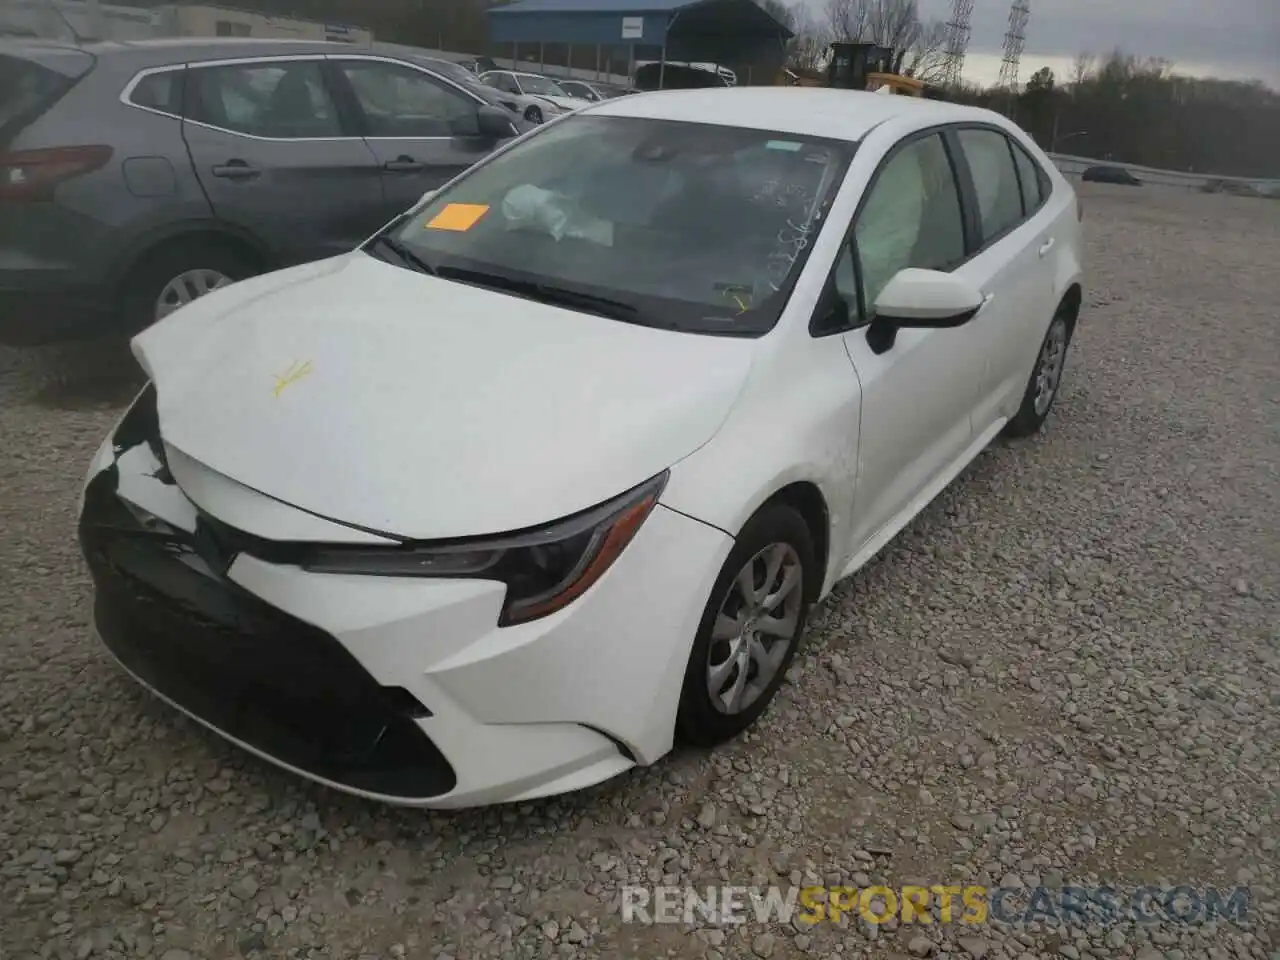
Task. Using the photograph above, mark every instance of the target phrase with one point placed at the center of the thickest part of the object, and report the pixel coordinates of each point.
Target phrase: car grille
(165, 608)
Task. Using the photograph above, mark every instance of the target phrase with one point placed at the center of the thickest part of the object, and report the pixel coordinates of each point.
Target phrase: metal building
(689, 31)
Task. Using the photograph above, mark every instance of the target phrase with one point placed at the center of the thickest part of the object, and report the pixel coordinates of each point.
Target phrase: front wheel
(750, 628)
(1046, 377)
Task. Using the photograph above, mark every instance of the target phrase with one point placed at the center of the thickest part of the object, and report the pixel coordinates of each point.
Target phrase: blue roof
(716, 31)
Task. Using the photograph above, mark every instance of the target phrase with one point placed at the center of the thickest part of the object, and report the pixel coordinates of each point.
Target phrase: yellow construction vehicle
(896, 83)
(869, 66)
(863, 66)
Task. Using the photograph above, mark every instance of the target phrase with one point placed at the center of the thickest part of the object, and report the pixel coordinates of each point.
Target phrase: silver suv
(135, 177)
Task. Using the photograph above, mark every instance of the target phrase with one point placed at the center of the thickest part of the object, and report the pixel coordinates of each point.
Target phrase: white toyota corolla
(546, 476)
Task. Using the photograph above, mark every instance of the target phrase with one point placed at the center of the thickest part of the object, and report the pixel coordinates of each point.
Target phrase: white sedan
(549, 98)
(547, 475)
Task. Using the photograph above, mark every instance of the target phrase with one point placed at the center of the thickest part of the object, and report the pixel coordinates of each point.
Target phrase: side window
(159, 91)
(994, 178)
(1032, 179)
(911, 218)
(507, 82)
(283, 100)
(402, 102)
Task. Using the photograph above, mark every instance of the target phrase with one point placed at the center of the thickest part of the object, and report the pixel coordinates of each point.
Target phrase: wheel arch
(1070, 304)
(148, 244)
(807, 499)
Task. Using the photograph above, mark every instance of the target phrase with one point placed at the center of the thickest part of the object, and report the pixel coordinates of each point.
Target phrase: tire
(776, 531)
(201, 260)
(533, 115)
(1050, 361)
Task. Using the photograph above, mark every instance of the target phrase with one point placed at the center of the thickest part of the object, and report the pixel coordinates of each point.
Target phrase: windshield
(532, 84)
(453, 71)
(696, 227)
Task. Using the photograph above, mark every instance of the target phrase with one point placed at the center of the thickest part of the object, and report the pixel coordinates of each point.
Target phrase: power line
(957, 41)
(1014, 39)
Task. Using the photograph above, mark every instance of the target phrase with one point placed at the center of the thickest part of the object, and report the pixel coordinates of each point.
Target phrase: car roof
(167, 50)
(804, 111)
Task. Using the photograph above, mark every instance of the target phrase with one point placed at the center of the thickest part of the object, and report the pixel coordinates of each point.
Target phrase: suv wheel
(174, 276)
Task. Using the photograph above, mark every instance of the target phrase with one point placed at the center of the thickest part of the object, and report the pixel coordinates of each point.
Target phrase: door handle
(1046, 246)
(403, 165)
(235, 170)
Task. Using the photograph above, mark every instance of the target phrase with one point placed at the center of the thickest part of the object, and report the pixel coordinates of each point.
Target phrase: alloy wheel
(186, 287)
(1049, 366)
(756, 625)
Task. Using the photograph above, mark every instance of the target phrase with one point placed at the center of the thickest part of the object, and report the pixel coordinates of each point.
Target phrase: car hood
(403, 404)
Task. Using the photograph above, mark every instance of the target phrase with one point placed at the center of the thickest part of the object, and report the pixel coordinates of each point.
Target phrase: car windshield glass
(453, 71)
(697, 227)
(549, 88)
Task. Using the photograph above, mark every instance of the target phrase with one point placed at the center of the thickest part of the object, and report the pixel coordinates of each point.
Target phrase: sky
(1236, 39)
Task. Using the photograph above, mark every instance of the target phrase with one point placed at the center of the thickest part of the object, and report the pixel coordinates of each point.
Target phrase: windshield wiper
(405, 255)
(543, 292)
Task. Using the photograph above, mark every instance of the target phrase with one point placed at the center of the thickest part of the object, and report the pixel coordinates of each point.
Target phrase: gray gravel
(1067, 671)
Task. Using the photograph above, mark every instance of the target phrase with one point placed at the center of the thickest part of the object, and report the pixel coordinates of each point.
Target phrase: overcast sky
(1228, 38)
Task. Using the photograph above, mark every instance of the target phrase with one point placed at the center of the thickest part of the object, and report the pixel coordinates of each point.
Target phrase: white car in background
(552, 99)
(549, 473)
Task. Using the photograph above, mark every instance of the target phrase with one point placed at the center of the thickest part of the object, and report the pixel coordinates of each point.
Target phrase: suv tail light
(33, 174)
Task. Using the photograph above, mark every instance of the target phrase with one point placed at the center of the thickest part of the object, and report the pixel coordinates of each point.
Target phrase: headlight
(545, 569)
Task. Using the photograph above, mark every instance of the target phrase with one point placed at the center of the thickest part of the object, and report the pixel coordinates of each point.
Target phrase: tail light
(34, 174)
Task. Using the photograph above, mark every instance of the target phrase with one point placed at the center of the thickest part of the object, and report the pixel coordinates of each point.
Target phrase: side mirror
(495, 122)
(915, 298)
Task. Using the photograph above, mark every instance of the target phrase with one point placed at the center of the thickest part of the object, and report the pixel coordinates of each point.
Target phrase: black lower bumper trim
(250, 670)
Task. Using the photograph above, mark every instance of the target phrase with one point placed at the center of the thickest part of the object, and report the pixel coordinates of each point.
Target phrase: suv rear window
(27, 89)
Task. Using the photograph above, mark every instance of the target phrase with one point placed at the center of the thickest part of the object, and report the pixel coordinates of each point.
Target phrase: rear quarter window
(1034, 181)
(159, 91)
(27, 89)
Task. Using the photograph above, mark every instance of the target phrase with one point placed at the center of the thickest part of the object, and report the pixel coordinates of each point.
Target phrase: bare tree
(919, 48)
(895, 24)
(927, 59)
(848, 20)
(808, 50)
(1081, 69)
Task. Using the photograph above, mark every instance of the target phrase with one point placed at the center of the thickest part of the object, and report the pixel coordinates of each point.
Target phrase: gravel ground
(1067, 670)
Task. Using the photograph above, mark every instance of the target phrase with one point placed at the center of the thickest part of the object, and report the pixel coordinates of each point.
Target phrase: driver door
(917, 393)
(422, 130)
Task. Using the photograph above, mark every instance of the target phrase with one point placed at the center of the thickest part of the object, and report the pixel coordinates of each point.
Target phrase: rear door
(1010, 263)
(276, 157)
(423, 129)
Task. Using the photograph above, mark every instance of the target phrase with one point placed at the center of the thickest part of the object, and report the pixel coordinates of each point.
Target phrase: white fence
(1074, 166)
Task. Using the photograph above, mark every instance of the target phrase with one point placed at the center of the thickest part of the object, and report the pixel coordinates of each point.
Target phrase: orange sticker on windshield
(459, 217)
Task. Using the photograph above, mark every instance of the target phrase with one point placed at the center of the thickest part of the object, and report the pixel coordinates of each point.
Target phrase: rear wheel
(750, 628)
(533, 115)
(174, 276)
(1046, 377)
